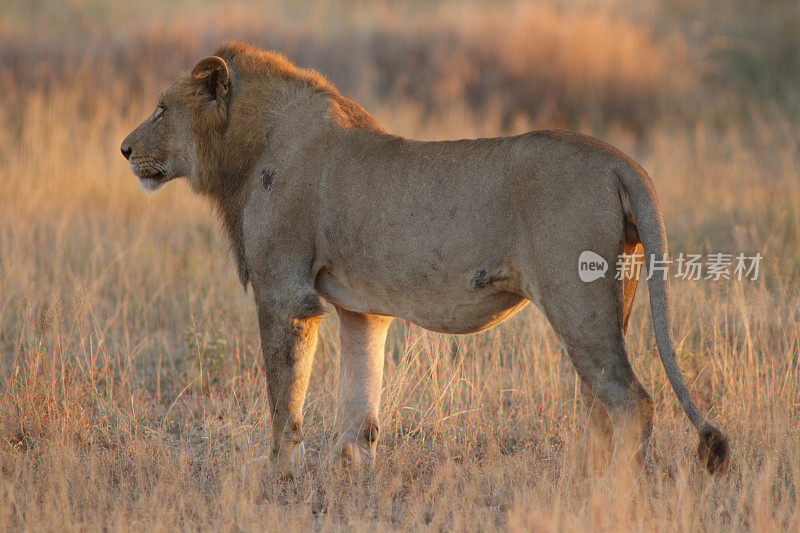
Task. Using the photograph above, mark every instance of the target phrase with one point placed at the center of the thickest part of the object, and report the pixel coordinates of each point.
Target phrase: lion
(320, 204)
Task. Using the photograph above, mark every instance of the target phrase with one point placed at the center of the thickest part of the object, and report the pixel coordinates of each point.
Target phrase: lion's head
(165, 146)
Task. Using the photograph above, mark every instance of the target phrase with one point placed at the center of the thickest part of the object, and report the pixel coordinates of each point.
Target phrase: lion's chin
(150, 184)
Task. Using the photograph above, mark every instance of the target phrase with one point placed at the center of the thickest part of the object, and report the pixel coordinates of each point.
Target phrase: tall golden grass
(130, 385)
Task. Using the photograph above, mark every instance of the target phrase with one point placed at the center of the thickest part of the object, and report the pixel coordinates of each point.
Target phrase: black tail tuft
(713, 450)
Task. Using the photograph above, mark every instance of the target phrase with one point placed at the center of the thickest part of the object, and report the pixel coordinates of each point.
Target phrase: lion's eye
(158, 114)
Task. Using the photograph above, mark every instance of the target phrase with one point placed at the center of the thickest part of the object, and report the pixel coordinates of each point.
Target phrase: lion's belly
(441, 309)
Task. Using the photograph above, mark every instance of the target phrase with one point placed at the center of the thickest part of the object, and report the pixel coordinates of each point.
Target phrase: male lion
(320, 203)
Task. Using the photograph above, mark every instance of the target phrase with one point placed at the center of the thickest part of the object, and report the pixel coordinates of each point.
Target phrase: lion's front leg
(360, 378)
(288, 340)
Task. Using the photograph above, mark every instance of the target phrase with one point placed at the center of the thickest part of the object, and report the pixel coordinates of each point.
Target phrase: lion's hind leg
(588, 318)
(600, 430)
(599, 433)
(620, 410)
(633, 259)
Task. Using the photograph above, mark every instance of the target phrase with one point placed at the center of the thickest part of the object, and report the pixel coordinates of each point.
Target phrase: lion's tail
(646, 213)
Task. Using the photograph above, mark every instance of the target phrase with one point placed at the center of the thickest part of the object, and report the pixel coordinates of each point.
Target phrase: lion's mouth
(155, 176)
(148, 170)
(151, 176)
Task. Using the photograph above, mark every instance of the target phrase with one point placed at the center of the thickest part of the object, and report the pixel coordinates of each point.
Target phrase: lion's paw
(275, 466)
(353, 456)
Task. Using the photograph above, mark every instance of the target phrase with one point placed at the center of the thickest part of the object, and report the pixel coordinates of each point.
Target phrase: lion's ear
(211, 74)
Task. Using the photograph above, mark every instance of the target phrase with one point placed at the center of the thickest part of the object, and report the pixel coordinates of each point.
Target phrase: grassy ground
(130, 385)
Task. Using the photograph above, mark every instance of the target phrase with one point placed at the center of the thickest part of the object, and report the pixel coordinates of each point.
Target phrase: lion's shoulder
(349, 114)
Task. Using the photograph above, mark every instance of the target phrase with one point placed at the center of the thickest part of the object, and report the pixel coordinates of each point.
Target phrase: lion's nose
(126, 151)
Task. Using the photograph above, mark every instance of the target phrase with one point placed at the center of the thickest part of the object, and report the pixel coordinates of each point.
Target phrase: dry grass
(130, 387)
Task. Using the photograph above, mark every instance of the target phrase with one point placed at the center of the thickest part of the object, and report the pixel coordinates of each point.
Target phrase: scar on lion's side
(267, 175)
(483, 278)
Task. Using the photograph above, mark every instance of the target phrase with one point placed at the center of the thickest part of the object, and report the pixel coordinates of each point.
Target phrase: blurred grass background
(130, 383)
